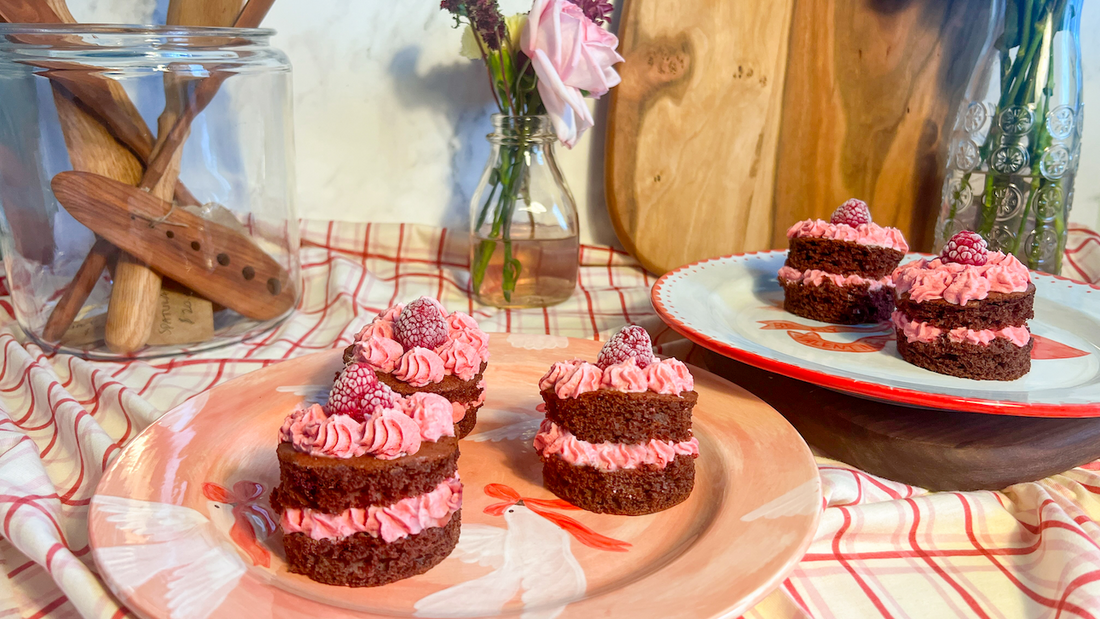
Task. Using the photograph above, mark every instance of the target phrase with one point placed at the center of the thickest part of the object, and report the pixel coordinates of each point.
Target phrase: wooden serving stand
(933, 449)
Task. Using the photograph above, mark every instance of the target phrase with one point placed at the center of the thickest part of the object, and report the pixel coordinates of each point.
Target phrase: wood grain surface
(693, 127)
(933, 449)
(871, 90)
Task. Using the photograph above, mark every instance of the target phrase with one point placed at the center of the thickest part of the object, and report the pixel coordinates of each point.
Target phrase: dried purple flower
(486, 19)
(599, 11)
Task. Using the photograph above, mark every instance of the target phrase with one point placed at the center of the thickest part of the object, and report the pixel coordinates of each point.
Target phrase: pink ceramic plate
(181, 528)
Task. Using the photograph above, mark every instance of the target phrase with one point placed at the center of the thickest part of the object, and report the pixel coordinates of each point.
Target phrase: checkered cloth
(883, 549)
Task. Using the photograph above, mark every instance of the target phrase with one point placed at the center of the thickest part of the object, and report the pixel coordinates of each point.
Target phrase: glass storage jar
(147, 186)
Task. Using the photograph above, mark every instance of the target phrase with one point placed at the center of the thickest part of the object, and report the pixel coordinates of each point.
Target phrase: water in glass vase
(547, 271)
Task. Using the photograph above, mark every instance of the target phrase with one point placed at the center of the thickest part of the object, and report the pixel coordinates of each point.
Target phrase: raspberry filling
(553, 440)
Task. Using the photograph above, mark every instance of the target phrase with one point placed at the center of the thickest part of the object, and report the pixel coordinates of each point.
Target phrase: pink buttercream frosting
(392, 522)
(926, 279)
(584, 377)
(462, 355)
(419, 367)
(460, 358)
(459, 409)
(557, 372)
(915, 331)
(625, 376)
(431, 414)
(865, 234)
(816, 277)
(380, 353)
(555, 440)
(570, 379)
(386, 434)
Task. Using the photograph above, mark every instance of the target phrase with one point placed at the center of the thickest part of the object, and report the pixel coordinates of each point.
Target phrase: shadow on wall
(459, 93)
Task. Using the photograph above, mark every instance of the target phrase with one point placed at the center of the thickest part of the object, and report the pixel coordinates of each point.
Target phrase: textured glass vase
(1015, 146)
(523, 220)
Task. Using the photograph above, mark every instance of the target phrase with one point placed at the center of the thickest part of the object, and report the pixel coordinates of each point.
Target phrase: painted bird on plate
(531, 554)
(193, 553)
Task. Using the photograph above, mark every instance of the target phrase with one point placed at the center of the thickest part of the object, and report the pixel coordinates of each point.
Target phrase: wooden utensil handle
(133, 305)
(73, 299)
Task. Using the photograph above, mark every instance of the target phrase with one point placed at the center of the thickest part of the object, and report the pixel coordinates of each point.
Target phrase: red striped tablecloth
(883, 549)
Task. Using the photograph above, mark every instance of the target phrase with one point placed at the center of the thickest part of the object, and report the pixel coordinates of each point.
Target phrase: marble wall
(391, 120)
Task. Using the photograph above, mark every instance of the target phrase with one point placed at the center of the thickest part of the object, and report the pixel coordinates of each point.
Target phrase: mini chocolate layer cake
(969, 318)
(626, 492)
(999, 360)
(465, 392)
(842, 257)
(332, 485)
(838, 271)
(845, 305)
(361, 560)
(616, 416)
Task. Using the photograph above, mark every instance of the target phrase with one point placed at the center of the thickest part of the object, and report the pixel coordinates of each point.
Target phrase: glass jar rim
(171, 32)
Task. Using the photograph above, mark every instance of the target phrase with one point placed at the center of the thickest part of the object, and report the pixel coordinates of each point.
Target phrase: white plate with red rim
(733, 305)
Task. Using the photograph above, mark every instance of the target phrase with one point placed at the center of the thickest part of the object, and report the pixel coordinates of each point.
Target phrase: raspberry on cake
(965, 313)
(617, 436)
(420, 348)
(369, 491)
(839, 270)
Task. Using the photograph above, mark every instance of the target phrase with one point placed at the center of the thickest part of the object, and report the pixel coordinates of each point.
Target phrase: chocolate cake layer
(465, 425)
(996, 311)
(619, 417)
(627, 492)
(842, 257)
(846, 305)
(1000, 360)
(451, 387)
(332, 485)
(365, 561)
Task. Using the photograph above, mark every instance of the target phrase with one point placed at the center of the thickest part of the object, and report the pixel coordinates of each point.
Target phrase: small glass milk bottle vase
(1015, 146)
(525, 246)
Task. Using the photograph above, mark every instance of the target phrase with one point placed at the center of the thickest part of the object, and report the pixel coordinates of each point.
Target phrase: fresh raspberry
(630, 341)
(853, 213)
(966, 247)
(421, 324)
(358, 392)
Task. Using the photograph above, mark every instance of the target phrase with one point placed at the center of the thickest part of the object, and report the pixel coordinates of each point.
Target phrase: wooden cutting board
(693, 127)
(736, 118)
(933, 449)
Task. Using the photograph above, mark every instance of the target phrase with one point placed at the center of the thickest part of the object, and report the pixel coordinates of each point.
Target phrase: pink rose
(570, 53)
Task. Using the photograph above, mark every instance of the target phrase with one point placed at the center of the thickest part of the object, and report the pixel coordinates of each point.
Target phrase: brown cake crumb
(846, 305)
(619, 417)
(361, 560)
(996, 311)
(1000, 360)
(842, 257)
(332, 485)
(627, 492)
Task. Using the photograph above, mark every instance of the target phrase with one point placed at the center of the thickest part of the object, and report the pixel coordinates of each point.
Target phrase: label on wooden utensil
(85, 331)
(181, 318)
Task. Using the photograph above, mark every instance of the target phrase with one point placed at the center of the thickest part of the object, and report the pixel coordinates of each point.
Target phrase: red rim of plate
(920, 399)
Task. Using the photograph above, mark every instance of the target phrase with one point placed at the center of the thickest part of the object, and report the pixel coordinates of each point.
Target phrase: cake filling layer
(391, 522)
(864, 234)
(459, 408)
(924, 332)
(555, 440)
(956, 283)
(816, 277)
(570, 379)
